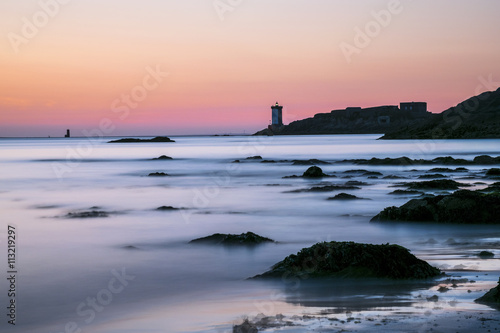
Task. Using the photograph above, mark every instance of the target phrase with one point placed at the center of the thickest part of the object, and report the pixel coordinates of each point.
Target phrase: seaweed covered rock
(437, 184)
(492, 296)
(463, 206)
(248, 238)
(350, 259)
(313, 172)
(345, 196)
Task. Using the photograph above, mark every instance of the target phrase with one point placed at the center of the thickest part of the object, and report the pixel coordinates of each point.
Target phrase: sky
(172, 67)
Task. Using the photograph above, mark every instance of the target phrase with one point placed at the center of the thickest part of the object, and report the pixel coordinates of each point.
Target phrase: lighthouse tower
(277, 115)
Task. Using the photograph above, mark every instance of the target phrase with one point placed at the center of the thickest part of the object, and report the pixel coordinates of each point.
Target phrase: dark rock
(355, 183)
(434, 298)
(356, 171)
(156, 139)
(492, 296)
(314, 172)
(486, 160)
(404, 192)
(438, 184)
(372, 173)
(254, 158)
(448, 170)
(463, 206)
(393, 177)
(167, 208)
(349, 259)
(157, 174)
(486, 255)
(327, 188)
(163, 157)
(345, 196)
(309, 162)
(493, 172)
(432, 176)
(248, 238)
(236, 161)
(268, 161)
(245, 327)
(87, 214)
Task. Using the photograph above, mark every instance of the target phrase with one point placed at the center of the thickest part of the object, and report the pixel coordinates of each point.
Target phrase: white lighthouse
(277, 115)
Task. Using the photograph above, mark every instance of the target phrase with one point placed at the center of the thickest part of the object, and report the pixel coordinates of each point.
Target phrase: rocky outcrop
(313, 172)
(158, 174)
(446, 160)
(345, 196)
(381, 119)
(437, 184)
(492, 296)
(163, 157)
(475, 118)
(248, 238)
(463, 206)
(349, 259)
(133, 140)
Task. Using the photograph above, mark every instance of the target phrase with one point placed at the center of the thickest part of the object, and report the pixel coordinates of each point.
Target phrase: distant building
(68, 135)
(277, 115)
(419, 107)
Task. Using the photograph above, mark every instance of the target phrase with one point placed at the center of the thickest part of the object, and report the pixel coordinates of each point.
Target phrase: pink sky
(229, 61)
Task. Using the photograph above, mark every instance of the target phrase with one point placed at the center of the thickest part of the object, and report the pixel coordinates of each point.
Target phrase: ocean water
(136, 271)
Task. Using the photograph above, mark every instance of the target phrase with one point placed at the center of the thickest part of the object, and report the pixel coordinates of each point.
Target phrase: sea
(132, 267)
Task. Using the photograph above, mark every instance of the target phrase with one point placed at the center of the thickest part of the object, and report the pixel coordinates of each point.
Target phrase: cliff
(475, 118)
(382, 119)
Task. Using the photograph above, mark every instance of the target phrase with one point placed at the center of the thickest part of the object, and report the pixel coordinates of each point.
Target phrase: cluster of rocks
(462, 206)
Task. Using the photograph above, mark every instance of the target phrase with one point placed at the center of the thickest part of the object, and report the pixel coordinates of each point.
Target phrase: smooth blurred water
(181, 287)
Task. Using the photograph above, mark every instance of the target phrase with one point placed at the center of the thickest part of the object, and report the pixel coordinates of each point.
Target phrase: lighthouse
(277, 115)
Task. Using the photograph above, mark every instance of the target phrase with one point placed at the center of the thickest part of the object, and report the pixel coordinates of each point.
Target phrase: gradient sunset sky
(71, 64)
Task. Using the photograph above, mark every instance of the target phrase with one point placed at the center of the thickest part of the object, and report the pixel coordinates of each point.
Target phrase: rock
(493, 172)
(356, 171)
(434, 298)
(349, 259)
(167, 208)
(156, 139)
(248, 238)
(268, 161)
(345, 196)
(492, 296)
(372, 173)
(236, 161)
(486, 255)
(355, 183)
(245, 327)
(313, 172)
(432, 176)
(157, 174)
(87, 214)
(462, 206)
(486, 160)
(309, 162)
(326, 188)
(163, 157)
(254, 158)
(448, 170)
(438, 184)
(393, 177)
(405, 192)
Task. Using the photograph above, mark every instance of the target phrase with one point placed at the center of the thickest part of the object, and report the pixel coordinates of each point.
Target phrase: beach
(95, 253)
